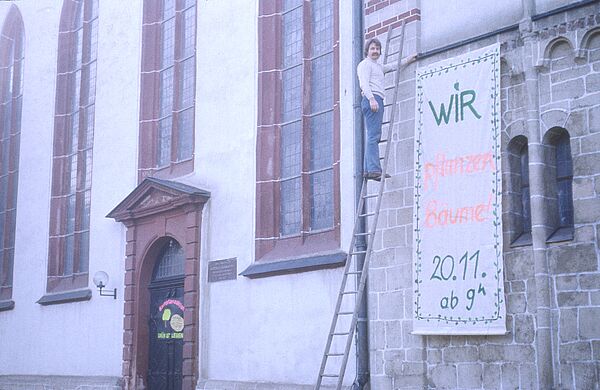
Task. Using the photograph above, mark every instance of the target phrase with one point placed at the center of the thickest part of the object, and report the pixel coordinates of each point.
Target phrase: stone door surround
(154, 212)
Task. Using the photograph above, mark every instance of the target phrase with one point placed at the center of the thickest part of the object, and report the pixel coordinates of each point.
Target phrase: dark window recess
(524, 225)
(564, 189)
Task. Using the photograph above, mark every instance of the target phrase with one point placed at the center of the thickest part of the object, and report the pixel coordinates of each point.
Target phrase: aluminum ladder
(341, 314)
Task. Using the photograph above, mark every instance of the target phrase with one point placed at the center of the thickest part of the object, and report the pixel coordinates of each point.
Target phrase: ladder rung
(345, 313)
(330, 375)
(370, 196)
(381, 141)
(340, 334)
(335, 354)
(353, 272)
(358, 253)
(349, 292)
(363, 234)
(366, 215)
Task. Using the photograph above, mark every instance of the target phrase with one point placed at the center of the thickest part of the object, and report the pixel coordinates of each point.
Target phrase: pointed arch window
(73, 144)
(11, 97)
(168, 87)
(298, 211)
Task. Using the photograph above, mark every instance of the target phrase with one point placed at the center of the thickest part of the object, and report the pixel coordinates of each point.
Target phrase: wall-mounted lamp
(100, 280)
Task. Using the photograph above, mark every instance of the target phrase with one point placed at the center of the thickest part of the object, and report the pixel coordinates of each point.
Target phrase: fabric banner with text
(458, 278)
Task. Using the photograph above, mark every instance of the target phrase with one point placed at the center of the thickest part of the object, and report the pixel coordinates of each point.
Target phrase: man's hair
(369, 42)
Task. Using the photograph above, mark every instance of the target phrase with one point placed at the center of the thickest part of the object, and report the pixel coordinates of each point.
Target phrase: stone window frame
(151, 90)
(72, 164)
(11, 91)
(559, 174)
(519, 193)
(270, 245)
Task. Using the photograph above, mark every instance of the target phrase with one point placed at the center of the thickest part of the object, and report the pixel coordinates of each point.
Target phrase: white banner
(458, 278)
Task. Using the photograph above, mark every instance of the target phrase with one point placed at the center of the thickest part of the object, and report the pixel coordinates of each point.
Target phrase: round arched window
(170, 262)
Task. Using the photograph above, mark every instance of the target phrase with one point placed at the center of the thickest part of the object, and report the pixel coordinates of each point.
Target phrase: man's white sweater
(370, 77)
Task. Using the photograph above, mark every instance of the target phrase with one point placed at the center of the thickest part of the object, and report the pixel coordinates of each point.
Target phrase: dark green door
(166, 321)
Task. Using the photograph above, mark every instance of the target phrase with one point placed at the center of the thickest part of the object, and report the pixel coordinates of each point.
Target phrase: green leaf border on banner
(494, 56)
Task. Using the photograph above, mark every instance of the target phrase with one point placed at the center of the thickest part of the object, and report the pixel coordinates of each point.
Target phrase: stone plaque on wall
(219, 270)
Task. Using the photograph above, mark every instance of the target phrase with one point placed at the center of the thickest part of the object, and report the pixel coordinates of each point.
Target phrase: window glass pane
(526, 210)
(565, 202)
(68, 255)
(90, 31)
(321, 188)
(564, 165)
(185, 135)
(93, 6)
(289, 4)
(6, 120)
(77, 49)
(75, 90)
(74, 133)
(321, 88)
(322, 26)
(78, 15)
(189, 3)
(70, 227)
(292, 38)
(88, 114)
(291, 150)
(321, 140)
(72, 174)
(524, 160)
(188, 30)
(3, 196)
(186, 83)
(525, 198)
(166, 92)
(83, 211)
(291, 207)
(564, 174)
(168, 43)
(164, 141)
(292, 93)
(3, 274)
(168, 9)
(84, 250)
(171, 261)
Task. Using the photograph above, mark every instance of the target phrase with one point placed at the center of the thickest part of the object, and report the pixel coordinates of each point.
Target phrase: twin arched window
(558, 174)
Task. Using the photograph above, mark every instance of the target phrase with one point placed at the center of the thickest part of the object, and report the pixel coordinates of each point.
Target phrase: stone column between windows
(541, 283)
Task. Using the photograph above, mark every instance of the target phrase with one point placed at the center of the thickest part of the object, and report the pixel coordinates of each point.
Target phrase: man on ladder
(371, 80)
(344, 321)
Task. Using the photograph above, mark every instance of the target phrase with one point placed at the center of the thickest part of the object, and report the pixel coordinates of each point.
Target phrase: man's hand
(409, 60)
(373, 104)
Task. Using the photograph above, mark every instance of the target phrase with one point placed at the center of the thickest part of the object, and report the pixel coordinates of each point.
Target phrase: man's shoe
(375, 176)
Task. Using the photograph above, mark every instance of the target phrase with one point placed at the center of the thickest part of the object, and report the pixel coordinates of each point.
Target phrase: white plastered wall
(82, 338)
(270, 329)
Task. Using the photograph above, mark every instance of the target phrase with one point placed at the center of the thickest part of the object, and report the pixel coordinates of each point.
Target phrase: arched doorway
(156, 213)
(166, 319)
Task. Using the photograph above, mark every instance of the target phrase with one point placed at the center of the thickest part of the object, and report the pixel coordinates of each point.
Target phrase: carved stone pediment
(153, 196)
